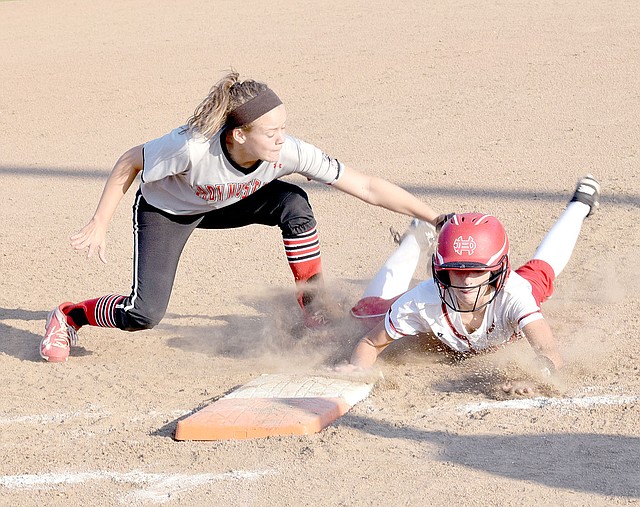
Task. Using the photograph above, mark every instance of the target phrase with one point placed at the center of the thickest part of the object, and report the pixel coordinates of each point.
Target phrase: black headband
(253, 109)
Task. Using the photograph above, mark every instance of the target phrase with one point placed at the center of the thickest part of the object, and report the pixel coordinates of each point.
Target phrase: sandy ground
(487, 105)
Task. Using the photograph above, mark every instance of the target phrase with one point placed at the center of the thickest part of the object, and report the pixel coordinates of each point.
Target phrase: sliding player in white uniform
(474, 303)
(218, 171)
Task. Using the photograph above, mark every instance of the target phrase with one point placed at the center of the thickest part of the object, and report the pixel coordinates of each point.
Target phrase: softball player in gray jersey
(218, 171)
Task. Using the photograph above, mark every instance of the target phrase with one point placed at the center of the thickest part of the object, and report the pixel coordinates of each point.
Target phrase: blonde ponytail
(227, 94)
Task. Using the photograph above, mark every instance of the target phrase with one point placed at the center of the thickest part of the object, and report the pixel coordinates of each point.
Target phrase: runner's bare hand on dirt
(92, 237)
(518, 387)
(347, 368)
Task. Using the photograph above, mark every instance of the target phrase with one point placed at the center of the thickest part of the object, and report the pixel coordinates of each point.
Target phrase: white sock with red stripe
(395, 276)
(558, 244)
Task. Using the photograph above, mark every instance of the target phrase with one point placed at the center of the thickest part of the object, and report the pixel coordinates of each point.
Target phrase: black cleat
(588, 192)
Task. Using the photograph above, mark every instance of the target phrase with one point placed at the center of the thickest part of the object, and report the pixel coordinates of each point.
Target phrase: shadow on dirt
(23, 344)
(596, 463)
(560, 196)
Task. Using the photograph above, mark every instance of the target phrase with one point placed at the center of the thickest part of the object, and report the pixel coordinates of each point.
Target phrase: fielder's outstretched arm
(93, 235)
(380, 192)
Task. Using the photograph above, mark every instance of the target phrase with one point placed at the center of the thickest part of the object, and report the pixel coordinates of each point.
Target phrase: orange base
(243, 418)
(274, 404)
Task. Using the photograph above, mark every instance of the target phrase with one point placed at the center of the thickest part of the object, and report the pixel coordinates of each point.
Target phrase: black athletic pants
(160, 237)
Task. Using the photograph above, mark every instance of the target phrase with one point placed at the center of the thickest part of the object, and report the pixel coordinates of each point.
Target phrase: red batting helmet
(471, 241)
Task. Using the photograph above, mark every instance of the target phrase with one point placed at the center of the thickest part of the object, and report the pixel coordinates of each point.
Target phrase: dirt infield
(490, 106)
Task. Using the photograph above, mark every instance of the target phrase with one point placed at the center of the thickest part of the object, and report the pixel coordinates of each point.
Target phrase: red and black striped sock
(303, 256)
(98, 312)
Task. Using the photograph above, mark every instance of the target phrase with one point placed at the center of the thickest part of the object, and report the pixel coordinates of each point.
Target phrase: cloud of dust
(273, 337)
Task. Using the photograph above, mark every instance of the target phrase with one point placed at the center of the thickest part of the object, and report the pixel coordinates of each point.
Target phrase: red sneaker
(59, 335)
(322, 313)
(316, 320)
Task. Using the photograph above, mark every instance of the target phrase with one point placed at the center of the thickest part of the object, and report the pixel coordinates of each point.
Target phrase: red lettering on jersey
(215, 192)
(222, 192)
(237, 190)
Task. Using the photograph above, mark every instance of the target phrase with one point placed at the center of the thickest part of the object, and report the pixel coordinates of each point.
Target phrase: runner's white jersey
(420, 310)
(185, 175)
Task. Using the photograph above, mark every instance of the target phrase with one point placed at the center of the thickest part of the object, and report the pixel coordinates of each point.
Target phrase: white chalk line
(60, 417)
(519, 404)
(159, 487)
(543, 402)
(49, 418)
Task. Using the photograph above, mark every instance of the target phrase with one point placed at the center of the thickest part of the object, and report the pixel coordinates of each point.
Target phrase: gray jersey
(186, 175)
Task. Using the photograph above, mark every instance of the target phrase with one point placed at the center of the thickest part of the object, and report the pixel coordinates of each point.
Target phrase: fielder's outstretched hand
(92, 237)
(440, 221)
